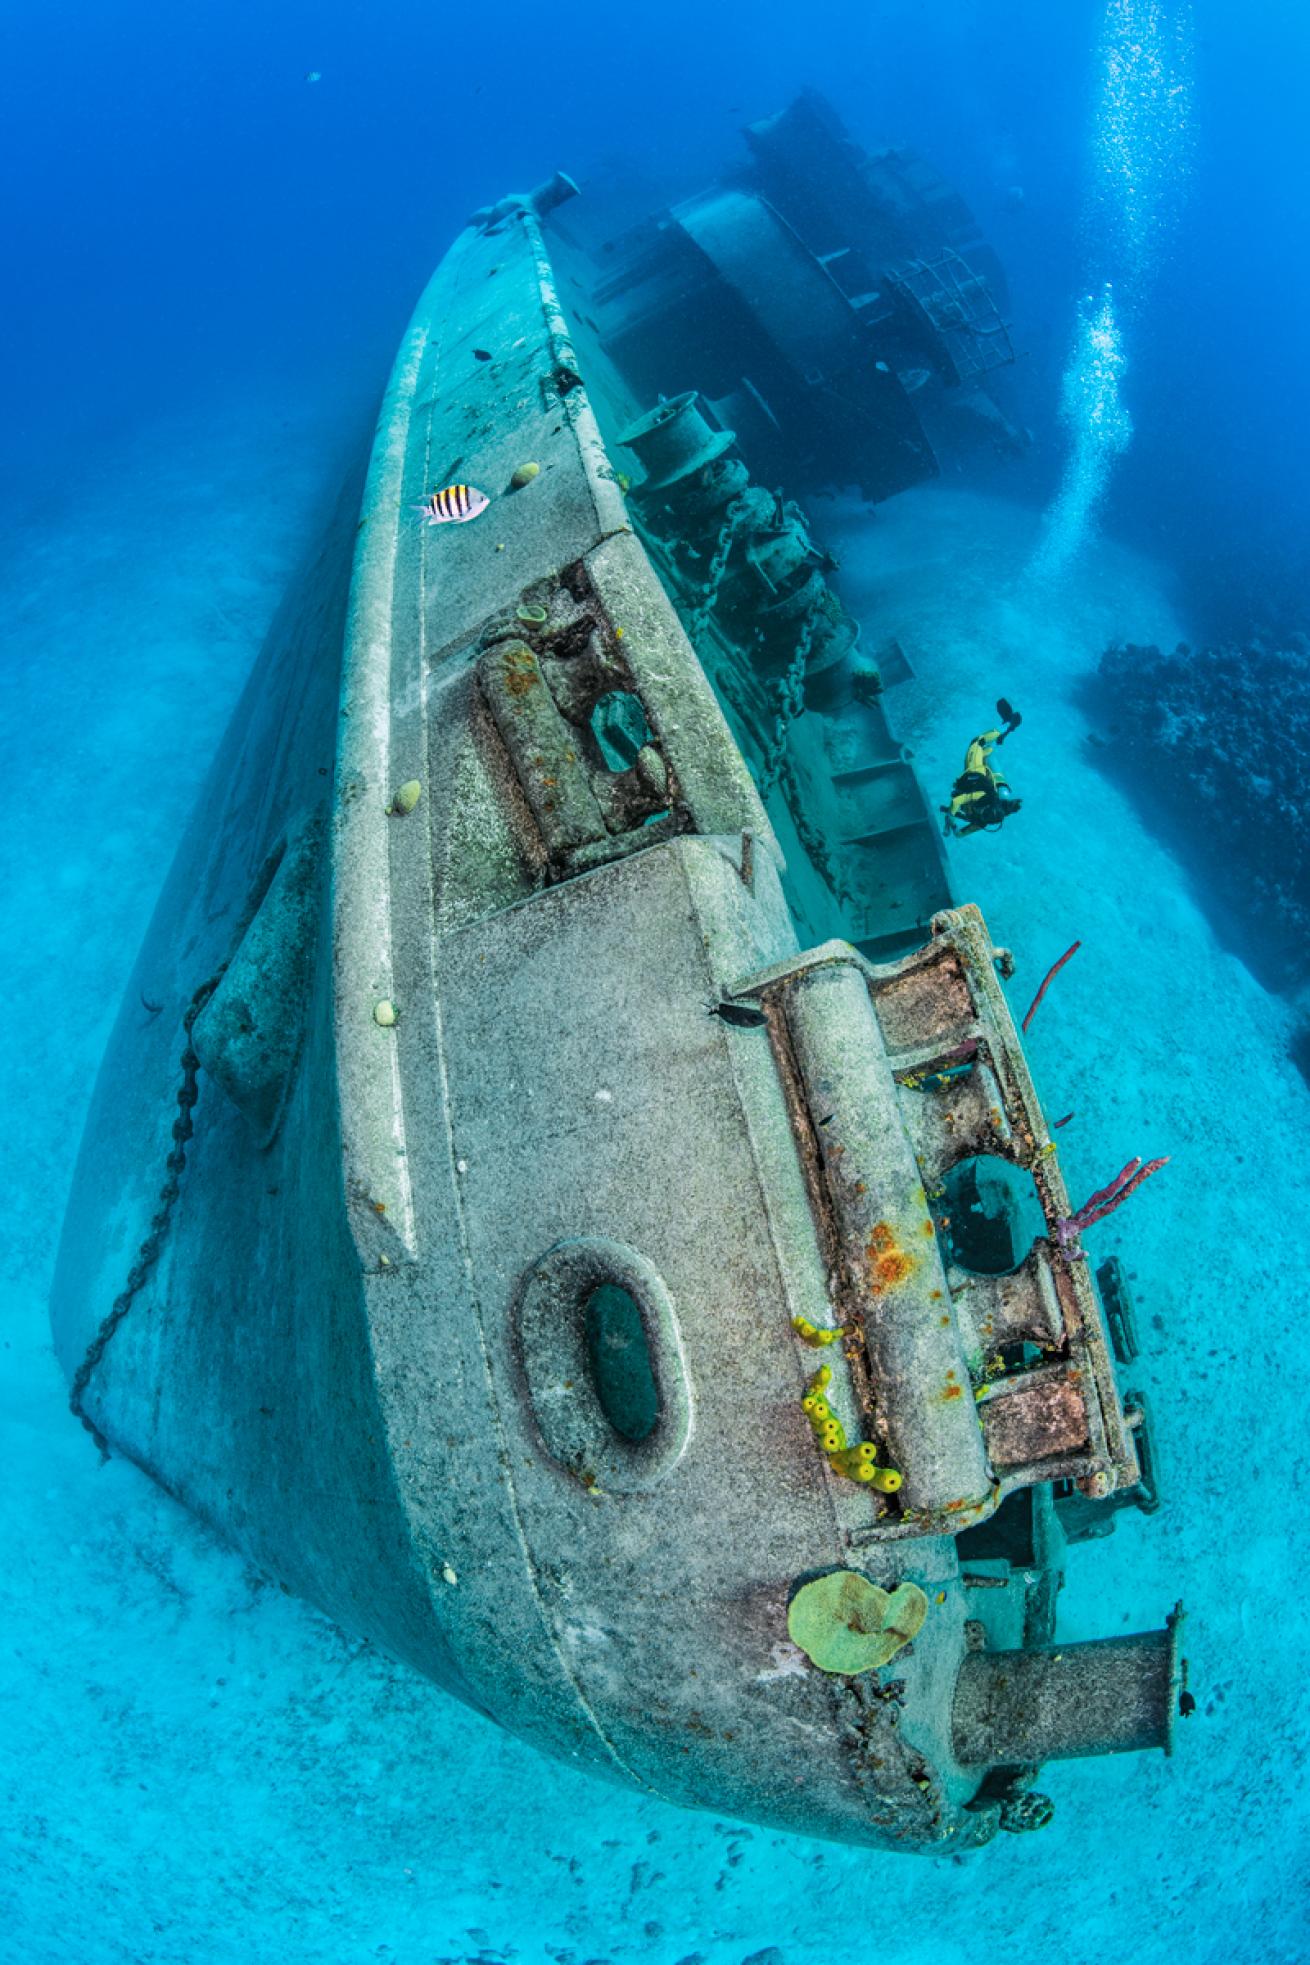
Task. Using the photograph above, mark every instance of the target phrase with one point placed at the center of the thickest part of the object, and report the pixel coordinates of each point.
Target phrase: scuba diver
(980, 800)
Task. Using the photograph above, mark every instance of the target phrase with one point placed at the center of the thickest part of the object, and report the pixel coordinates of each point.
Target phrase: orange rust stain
(893, 1267)
(926, 1228)
(952, 1392)
(520, 673)
(888, 1263)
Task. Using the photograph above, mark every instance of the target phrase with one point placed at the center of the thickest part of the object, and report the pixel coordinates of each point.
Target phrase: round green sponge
(844, 1623)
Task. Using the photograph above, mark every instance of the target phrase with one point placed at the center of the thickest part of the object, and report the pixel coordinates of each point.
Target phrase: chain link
(788, 701)
(149, 1252)
(718, 566)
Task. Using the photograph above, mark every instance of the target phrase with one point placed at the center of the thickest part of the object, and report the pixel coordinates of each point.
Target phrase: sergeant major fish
(454, 504)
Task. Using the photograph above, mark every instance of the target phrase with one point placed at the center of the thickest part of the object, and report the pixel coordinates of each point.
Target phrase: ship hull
(456, 1068)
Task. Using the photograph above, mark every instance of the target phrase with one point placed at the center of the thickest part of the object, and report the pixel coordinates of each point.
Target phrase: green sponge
(846, 1624)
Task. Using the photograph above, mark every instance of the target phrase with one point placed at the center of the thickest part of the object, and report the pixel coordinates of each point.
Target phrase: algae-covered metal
(496, 1269)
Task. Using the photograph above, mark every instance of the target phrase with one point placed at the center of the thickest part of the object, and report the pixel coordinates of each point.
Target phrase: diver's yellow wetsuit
(977, 794)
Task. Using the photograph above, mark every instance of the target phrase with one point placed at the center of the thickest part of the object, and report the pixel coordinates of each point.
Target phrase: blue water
(210, 259)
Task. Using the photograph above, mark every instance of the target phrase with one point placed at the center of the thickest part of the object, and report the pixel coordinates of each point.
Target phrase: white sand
(198, 1767)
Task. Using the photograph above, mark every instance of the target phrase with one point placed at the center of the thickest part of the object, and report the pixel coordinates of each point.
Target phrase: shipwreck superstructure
(537, 1229)
(835, 307)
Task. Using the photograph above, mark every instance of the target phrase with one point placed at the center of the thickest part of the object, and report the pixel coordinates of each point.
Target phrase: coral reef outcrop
(1217, 741)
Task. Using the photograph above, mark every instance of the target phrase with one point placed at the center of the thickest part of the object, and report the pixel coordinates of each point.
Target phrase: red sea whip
(1103, 1202)
(1126, 1181)
(1047, 979)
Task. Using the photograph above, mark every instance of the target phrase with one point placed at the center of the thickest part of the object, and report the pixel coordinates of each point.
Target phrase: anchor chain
(789, 701)
(718, 566)
(789, 704)
(149, 1252)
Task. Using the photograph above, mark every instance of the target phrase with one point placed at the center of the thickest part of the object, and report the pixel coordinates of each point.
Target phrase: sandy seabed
(196, 1766)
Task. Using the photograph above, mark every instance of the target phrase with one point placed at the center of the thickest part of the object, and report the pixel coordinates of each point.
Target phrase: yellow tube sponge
(814, 1335)
(856, 1463)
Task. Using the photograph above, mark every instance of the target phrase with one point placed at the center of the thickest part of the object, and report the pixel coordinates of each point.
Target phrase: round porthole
(603, 1364)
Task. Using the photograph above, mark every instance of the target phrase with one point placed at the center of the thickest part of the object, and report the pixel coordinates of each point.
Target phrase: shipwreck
(548, 1225)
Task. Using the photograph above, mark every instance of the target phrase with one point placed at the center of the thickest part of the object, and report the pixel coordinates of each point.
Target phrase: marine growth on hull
(586, 1136)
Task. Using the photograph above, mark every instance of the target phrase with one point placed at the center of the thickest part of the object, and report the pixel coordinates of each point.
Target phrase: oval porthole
(603, 1363)
(619, 1358)
(994, 1214)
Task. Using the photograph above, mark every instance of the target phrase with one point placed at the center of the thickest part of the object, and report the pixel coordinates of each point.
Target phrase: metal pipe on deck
(890, 1260)
(1113, 1695)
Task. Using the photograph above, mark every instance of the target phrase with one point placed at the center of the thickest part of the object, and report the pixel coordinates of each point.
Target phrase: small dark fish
(1061, 1122)
(1186, 1704)
(742, 1016)
(482, 354)
(151, 1009)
